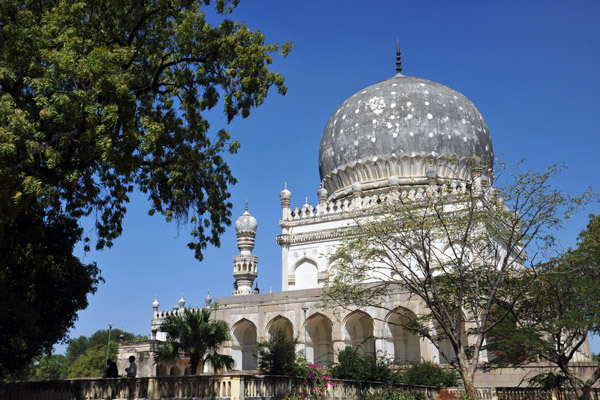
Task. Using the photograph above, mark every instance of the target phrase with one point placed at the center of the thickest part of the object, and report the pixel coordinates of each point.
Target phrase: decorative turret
(245, 264)
(155, 304)
(286, 197)
(208, 300)
(181, 302)
(322, 196)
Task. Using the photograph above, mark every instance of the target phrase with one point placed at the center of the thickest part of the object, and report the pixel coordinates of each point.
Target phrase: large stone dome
(402, 128)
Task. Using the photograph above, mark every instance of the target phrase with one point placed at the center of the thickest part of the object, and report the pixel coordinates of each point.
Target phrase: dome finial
(246, 205)
(398, 62)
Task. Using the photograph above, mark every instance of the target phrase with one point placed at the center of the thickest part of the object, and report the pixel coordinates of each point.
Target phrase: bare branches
(457, 246)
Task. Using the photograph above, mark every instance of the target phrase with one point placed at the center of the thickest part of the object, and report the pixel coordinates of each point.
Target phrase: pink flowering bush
(316, 381)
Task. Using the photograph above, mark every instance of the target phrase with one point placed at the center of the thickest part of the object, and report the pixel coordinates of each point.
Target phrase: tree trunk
(563, 365)
(194, 361)
(468, 378)
(585, 393)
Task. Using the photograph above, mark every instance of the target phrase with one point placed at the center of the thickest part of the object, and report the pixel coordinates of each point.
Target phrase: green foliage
(86, 356)
(362, 368)
(42, 286)
(79, 346)
(50, 367)
(426, 373)
(196, 336)
(391, 393)
(92, 362)
(594, 357)
(549, 380)
(277, 356)
(561, 307)
(98, 100)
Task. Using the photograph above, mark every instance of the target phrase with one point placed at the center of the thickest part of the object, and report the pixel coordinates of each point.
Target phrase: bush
(393, 394)
(445, 395)
(549, 380)
(316, 381)
(352, 365)
(426, 373)
(277, 356)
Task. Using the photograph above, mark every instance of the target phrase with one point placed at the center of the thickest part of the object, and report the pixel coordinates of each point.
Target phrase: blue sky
(530, 67)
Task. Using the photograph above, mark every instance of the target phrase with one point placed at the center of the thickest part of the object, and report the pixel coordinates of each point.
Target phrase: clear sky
(531, 67)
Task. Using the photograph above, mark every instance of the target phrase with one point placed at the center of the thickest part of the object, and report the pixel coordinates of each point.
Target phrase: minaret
(245, 264)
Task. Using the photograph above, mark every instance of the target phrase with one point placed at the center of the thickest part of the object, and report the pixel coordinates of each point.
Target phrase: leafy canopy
(86, 356)
(98, 99)
(560, 309)
(51, 367)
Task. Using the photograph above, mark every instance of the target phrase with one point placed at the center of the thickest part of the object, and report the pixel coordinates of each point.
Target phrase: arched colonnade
(323, 338)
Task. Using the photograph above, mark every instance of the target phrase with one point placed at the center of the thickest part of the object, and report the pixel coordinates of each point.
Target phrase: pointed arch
(358, 332)
(402, 345)
(445, 346)
(243, 346)
(319, 339)
(306, 273)
(282, 323)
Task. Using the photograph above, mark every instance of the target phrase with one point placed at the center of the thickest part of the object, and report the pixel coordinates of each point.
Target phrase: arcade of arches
(324, 337)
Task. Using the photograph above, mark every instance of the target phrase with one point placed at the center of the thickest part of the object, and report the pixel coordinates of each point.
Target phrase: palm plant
(195, 335)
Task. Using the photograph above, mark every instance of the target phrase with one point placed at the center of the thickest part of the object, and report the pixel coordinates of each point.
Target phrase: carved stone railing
(507, 393)
(236, 387)
(361, 201)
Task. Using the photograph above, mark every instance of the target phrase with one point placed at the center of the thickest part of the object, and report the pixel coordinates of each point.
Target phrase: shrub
(277, 356)
(316, 381)
(549, 380)
(445, 395)
(352, 365)
(426, 373)
(393, 394)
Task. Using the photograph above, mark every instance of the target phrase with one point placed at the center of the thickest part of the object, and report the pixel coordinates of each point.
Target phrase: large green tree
(456, 246)
(86, 356)
(560, 309)
(51, 367)
(193, 334)
(98, 99)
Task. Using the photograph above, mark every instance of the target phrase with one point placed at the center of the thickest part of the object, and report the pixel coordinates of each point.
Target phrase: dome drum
(382, 173)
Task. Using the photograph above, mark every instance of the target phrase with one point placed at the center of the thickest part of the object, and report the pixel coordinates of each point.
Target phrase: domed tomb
(401, 128)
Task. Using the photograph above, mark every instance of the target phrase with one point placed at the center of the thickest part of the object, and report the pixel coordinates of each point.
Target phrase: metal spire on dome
(398, 62)
(246, 205)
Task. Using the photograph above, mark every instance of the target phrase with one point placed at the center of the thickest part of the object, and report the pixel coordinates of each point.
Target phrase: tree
(91, 363)
(42, 287)
(86, 356)
(50, 367)
(277, 355)
(96, 101)
(457, 247)
(561, 307)
(193, 334)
